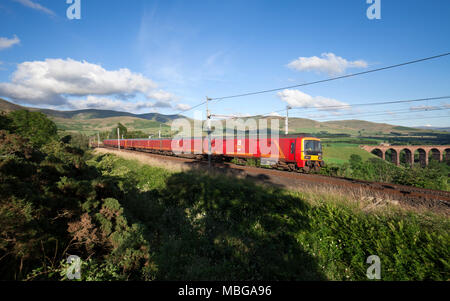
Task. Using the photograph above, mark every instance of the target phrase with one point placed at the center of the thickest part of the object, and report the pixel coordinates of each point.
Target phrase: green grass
(339, 153)
(202, 227)
(92, 126)
(144, 124)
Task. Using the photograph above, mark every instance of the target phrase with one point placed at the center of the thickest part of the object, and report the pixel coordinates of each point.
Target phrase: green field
(339, 153)
(92, 126)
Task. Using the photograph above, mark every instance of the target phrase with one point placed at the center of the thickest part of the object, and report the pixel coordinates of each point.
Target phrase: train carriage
(295, 153)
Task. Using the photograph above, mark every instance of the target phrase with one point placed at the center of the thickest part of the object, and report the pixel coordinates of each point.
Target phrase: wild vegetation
(433, 176)
(129, 221)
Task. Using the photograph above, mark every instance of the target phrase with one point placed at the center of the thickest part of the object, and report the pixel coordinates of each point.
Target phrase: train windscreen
(313, 147)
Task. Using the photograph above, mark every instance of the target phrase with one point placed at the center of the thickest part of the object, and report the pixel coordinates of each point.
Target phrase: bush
(434, 176)
(34, 126)
(54, 203)
(133, 222)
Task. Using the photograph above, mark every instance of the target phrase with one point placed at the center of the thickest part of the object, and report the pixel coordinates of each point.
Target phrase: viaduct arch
(392, 152)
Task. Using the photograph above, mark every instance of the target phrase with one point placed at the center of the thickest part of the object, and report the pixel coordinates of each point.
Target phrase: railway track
(434, 200)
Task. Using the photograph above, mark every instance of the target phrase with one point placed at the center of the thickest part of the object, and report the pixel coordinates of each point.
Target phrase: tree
(34, 126)
(122, 129)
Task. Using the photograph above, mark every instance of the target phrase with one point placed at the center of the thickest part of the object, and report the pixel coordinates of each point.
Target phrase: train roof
(280, 136)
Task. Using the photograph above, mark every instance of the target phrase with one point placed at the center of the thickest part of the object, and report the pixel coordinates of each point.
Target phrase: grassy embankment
(346, 159)
(214, 227)
(128, 221)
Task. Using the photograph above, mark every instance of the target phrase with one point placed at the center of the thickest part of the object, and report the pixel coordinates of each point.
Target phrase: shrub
(34, 126)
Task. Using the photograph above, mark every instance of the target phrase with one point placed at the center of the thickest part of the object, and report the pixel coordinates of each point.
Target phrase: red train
(294, 153)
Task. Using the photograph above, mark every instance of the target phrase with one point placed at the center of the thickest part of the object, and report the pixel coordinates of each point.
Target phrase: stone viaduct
(424, 152)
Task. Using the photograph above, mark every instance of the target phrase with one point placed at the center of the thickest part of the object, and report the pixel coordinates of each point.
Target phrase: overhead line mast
(208, 127)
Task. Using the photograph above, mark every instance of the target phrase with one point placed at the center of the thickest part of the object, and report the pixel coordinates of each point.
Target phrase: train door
(292, 149)
(298, 151)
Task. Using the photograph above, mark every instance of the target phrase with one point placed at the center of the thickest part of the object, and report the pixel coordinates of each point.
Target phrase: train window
(292, 148)
(312, 147)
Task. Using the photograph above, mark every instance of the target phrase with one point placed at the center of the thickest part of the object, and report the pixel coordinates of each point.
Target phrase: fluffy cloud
(104, 103)
(296, 98)
(182, 107)
(328, 63)
(6, 43)
(36, 6)
(49, 82)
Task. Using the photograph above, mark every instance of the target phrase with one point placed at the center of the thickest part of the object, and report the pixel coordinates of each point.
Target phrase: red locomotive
(294, 153)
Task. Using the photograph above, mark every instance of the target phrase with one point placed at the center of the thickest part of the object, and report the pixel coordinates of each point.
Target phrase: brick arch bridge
(437, 152)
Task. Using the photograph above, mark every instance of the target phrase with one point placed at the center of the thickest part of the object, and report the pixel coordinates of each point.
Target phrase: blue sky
(164, 56)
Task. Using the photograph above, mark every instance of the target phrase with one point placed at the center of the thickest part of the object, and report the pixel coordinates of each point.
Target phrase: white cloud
(104, 103)
(161, 95)
(243, 115)
(274, 114)
(327, 115)
(329, 63)
(36, 6)
(182, 107)
(296, 98)
(51, 81)
(6, 43)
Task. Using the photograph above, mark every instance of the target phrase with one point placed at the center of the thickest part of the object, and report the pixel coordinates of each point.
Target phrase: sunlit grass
(216, 227)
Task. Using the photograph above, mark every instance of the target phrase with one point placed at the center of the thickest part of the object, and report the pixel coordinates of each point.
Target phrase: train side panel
(290, 149)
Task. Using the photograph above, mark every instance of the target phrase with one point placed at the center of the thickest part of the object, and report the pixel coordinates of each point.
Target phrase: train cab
(310, 153)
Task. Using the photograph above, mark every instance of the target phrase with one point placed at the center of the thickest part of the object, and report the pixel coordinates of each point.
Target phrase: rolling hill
(91, 120)
(88, 113)
(446, 129)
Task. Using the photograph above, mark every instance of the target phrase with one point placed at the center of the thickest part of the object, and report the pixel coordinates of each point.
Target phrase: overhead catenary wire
(355, 105)
(380, 113)
(333, 78)
(316, 82)
(383, 114)
(389, 120)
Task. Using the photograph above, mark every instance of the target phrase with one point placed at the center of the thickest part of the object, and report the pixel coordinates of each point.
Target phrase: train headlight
(307, 157)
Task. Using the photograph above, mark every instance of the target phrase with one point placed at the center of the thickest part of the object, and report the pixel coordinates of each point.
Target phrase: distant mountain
(352, 127)
(445, 129)
(88, 113)
(92, 120)
(8, 106)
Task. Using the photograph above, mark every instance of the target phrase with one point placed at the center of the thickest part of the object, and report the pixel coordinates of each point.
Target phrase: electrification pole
(118, 138)
(98, 139)
(286, 124)
(160, 131)
(208, 127)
